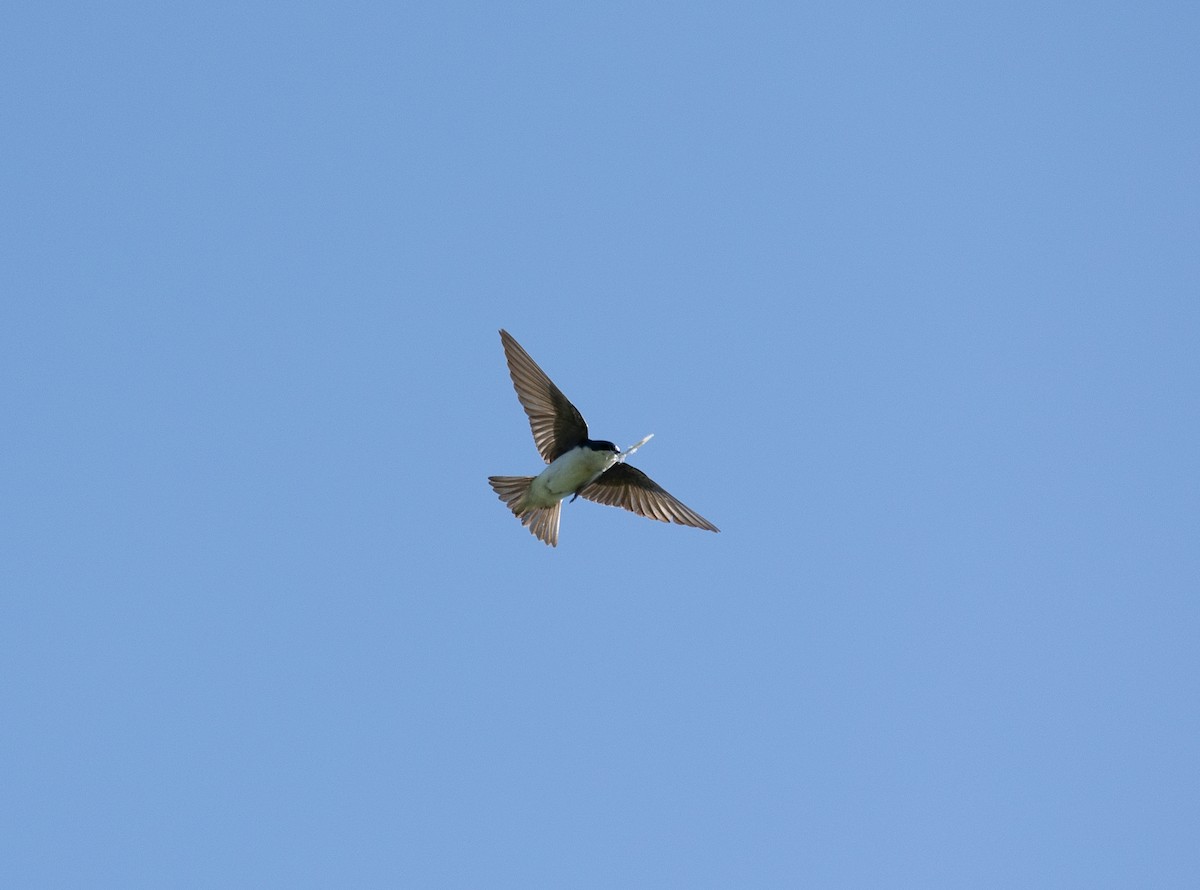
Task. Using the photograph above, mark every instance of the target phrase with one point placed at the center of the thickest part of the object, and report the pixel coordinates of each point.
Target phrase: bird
(594, 469)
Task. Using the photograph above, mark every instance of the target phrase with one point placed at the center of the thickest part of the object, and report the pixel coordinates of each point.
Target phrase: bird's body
(595, 469)
(567, 474)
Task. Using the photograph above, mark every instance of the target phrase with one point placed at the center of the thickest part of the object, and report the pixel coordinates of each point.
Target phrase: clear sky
(909, 295)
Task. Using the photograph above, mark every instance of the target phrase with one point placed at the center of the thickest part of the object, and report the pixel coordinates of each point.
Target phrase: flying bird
(578, 466)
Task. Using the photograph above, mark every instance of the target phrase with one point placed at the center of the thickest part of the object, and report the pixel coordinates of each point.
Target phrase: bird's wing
(629, 488)
(557, 425)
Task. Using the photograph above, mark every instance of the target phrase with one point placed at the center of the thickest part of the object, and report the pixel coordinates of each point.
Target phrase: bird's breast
(570, 471)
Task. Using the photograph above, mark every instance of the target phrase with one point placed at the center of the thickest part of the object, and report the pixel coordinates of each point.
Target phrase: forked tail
(541, 521)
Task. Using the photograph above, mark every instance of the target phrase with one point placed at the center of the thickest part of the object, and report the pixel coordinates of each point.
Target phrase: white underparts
(567, 474)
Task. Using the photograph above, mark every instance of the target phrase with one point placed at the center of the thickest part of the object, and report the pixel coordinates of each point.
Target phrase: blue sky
(908, 294)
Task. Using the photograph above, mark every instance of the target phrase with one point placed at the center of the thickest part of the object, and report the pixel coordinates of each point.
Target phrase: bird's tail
(541, 521)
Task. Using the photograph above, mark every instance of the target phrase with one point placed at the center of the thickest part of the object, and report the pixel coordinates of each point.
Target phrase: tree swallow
(578, 465)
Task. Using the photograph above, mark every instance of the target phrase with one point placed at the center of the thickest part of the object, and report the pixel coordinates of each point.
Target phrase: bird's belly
(568, 473)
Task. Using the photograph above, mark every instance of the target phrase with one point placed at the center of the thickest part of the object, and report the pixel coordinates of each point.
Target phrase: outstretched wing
(557, 425)
(629, 488)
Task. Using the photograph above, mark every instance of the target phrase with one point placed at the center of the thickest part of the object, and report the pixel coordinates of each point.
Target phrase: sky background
(908, 293)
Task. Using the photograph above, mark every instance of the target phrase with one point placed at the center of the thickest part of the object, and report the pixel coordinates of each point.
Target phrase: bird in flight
(579, 466)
